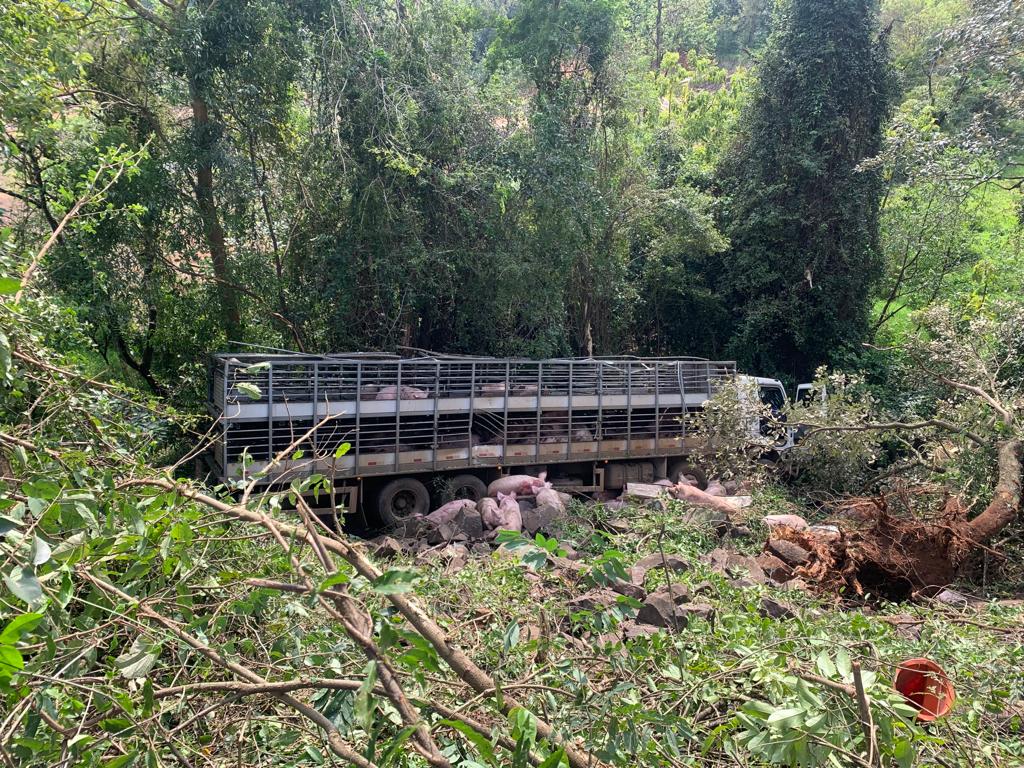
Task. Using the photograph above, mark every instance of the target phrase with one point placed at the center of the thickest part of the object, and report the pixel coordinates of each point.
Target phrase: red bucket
(926, 687)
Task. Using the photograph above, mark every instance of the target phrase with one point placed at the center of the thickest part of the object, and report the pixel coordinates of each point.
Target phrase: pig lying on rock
(448, 512)
(508, 518)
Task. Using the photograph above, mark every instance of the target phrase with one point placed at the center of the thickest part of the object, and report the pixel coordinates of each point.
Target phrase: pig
(582, 435)
(368, 392)
(488, 509)
(493, 388)
(408, 393)
(548, 496)
(511, 519)
(524, 484)
(448, 512)
(524, 390)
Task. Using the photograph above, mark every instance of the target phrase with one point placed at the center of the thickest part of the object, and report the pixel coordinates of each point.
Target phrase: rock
(740, 532)
(387, 547)
(631, 630)
(795, 522)
(773, 609)
(525, 505)
(958, 599)
(702, 611)
(826, 532)
(638, 573)
(414, 527)
(480, 549)
(672, 609)
(715, 488)
(704, 588)
(594, 600)
(616, 525)
(568, 565)
(470, 523)
(732, 487)
(789, 552)
(659, 610)
(710, 518)
(628, 589)
(742, 583)
(774, 568)
(734, 565)
(540, 519)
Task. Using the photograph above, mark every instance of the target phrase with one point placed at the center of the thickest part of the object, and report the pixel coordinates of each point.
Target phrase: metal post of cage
(270, 413)
(568, 410)
(472, 414)
(358, 438)
(540, 393)
(437, 400)
(629, 408)
(504, 417)
(398, 410)
(316, 407)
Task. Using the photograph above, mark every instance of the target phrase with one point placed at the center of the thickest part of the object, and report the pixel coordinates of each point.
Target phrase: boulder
(734, 565)
(629, 589)
(774, 568)
(672, 609)
(541, 519)
(595, 600)
(638, 573)
(789, 552)
(387, 547)
(773, 609)
(632, 630)
(470, 523)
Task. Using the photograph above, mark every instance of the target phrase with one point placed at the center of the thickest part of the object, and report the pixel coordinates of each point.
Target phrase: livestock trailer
(454, 421)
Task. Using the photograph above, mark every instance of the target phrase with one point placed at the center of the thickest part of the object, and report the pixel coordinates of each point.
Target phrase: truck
(394, 434)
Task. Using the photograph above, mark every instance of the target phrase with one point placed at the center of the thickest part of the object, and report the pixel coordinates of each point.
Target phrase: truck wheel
(401, 499)
(466, 487)
(681, 469)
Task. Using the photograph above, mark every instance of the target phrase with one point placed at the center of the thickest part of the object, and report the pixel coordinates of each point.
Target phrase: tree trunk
(1005, 504)
(213, 231)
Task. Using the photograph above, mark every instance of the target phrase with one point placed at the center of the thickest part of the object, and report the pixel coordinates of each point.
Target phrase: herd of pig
(500, 510)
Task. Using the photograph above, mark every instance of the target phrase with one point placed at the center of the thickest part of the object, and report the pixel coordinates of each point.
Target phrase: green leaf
(342, 450)
(10, 660)
(249, 389)
(364, 707)
(40, 551)
(395, 581)
(18, 626)
(330, 581)
(24, 585)
(786, 717)
(121, 761)
(554, 760)
(482, 745)
(9, 285)
(137, 661)
(256, 367)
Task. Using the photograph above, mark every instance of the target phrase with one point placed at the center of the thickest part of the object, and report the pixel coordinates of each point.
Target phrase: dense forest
(826, 190)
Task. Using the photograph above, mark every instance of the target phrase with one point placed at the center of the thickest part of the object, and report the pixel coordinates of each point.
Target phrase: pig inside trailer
(447, 426)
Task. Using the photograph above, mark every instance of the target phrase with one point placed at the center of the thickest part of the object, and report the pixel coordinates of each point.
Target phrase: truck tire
(466, 487)
(401, 499)
(682, 468)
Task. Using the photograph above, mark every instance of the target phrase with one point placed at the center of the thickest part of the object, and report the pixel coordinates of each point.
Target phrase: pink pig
(511, 519)
(526, 485)
(448, 512)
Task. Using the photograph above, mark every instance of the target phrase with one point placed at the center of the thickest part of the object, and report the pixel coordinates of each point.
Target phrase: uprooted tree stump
(897, 557)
